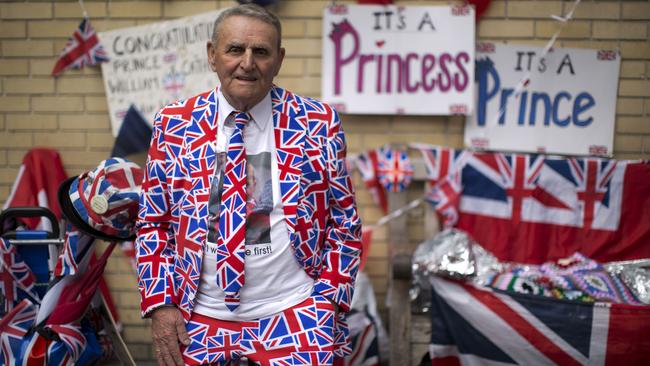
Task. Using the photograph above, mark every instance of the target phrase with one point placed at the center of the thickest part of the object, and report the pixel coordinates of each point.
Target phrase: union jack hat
(103, 202)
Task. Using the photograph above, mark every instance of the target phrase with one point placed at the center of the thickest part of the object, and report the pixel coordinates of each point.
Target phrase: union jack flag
(394, 169)
(83, 48)
(532, 208)
(476, 325)
(16, 278)
(68, 261)
(13, 327)
(72, 337)
(38, 351)
(444, 184)
(367, 164)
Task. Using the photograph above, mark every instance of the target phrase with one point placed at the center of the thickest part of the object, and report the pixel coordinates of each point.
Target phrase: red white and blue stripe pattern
(83, 48)
(232, 217)
(315, 189)
(395, 170)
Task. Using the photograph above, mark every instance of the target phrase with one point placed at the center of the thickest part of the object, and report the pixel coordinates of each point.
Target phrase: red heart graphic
(380, 43)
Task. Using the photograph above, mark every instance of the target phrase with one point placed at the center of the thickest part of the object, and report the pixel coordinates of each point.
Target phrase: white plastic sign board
(398, 59)
(563, 103)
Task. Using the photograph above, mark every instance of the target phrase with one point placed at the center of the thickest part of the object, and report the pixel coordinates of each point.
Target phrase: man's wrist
(162, 306)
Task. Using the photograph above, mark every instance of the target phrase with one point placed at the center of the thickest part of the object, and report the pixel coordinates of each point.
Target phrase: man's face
(246, 58)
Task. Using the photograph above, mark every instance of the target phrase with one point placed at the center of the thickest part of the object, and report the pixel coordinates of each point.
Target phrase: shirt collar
(261, 112)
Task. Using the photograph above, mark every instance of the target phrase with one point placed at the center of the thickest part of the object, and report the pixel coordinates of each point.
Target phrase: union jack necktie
(232, 216)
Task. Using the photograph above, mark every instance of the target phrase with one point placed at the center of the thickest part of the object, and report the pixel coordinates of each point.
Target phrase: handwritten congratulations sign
(398, 60)
(565, 102)
(155, 64)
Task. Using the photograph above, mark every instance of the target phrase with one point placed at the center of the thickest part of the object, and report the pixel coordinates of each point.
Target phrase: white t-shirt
(274, 280)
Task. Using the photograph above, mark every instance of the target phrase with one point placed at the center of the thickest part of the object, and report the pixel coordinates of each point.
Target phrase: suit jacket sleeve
(154, 243)
(342, 248)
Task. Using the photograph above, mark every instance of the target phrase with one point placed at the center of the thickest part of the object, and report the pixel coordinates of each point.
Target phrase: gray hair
(251, 11)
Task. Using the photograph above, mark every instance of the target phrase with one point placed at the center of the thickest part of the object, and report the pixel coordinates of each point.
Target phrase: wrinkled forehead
(228, 27)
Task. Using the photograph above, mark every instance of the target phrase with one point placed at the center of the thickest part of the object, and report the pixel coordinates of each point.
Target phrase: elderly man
(213, 297)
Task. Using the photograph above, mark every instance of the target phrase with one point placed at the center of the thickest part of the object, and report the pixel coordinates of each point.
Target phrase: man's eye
(261, 51)
(235, 50)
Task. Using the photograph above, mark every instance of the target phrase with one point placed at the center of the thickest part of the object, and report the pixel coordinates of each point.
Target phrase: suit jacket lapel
(289, 124)
(201, 137)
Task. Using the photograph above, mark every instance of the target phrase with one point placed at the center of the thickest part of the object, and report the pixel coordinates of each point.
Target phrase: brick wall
(70, 113)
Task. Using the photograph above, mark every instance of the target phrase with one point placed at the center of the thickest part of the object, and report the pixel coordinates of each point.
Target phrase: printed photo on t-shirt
(259, 202)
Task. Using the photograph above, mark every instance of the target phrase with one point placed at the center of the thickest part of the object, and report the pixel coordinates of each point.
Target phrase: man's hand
(167, 329)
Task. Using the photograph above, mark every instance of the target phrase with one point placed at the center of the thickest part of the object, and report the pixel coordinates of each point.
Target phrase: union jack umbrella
(395, 170)
(83, 48)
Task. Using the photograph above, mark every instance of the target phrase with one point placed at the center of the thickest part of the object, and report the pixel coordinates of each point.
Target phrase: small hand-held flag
(83, 48)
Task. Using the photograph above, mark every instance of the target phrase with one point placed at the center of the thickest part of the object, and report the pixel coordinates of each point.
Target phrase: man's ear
(211, 48)
(281, 56)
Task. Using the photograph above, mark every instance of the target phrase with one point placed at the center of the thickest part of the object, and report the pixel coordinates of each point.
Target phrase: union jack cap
(103, 202)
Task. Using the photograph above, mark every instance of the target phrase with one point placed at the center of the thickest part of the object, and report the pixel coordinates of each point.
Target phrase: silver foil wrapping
(448, 254)
(636, 275)
(451, 253)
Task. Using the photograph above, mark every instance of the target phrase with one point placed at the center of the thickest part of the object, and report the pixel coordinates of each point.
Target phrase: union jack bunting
(439, 161)
(442, 165)
(445, 196)
(16, 278)
(13, 327)
(367, 165)
(394, 169)
(323, 224)
(531, 208)
(476, 325)
(83, 48)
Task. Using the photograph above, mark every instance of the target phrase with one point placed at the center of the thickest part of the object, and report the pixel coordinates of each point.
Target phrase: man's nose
(247, 61)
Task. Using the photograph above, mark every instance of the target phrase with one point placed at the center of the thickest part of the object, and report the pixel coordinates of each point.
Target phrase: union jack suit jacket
(317, 194)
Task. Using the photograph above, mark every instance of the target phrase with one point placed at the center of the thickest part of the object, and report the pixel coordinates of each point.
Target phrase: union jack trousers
(300, 335)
